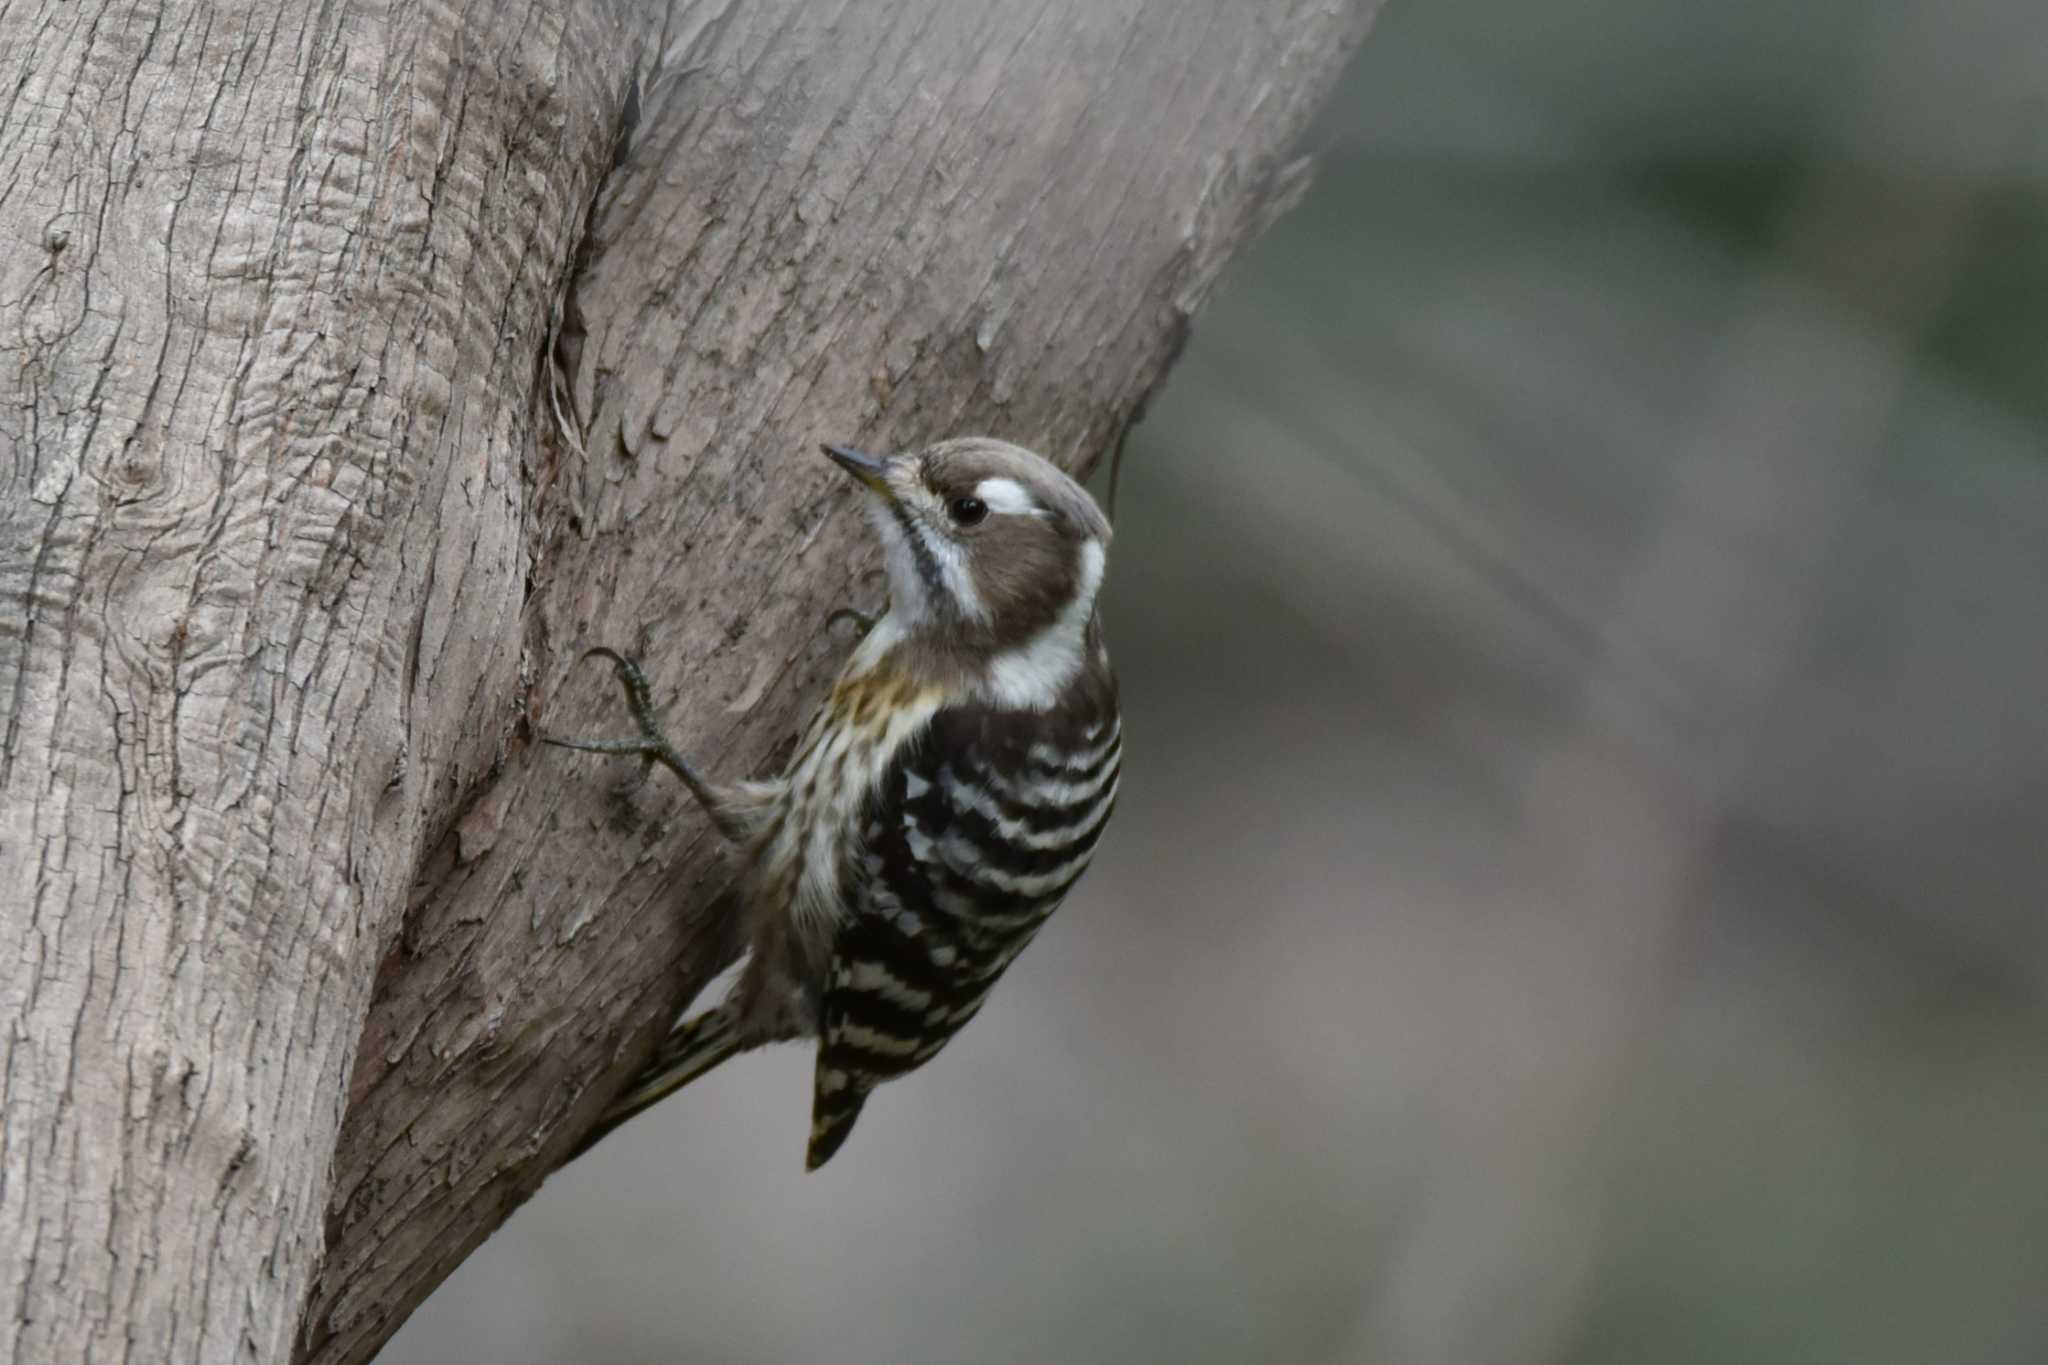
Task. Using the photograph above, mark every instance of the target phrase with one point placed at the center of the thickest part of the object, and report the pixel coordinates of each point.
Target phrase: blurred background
(1578, 891)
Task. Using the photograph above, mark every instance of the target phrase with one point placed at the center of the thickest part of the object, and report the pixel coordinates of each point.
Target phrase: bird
(943, 798)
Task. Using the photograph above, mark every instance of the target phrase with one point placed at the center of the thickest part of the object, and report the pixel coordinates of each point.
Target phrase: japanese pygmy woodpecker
(944, 797)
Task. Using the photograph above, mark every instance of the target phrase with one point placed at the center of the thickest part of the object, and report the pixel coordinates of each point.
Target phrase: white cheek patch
(955, 575)
(908, 600)
(1007, 495)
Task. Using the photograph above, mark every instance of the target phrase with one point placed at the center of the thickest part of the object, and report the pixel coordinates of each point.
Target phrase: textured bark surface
(273, 285)
(295, 559)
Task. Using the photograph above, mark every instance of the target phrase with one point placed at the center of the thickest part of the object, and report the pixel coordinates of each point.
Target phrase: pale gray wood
(297, 560)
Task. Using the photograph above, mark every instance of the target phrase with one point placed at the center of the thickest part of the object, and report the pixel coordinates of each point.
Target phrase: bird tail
(692, 1048)
(833, 1112)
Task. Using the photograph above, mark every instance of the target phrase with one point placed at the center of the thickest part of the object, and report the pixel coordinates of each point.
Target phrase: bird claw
(860, 618)
(651, 745)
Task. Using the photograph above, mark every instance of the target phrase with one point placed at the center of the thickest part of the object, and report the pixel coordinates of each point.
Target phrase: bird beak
(866, 468)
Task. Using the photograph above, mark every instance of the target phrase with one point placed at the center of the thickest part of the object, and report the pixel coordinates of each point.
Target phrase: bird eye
(967, 511)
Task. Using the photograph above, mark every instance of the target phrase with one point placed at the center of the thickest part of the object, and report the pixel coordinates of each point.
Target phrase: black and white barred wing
(975, 835)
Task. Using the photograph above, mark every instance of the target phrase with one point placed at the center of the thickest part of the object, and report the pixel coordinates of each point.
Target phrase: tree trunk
(366, 362)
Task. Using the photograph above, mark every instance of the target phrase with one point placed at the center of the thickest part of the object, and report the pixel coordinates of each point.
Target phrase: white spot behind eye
(1007, 495)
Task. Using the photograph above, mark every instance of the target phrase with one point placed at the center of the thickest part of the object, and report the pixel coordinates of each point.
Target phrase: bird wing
(970, 841)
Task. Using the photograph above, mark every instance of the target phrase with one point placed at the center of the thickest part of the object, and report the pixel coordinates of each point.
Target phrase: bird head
(994, 559)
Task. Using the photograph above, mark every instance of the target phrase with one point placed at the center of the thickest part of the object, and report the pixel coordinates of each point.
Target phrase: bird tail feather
(692, 1048)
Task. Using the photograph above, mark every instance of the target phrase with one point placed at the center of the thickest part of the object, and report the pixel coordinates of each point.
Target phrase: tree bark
(366, 362)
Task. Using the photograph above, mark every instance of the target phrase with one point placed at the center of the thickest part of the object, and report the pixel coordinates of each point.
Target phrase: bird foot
(651, 745)
(860, 619)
